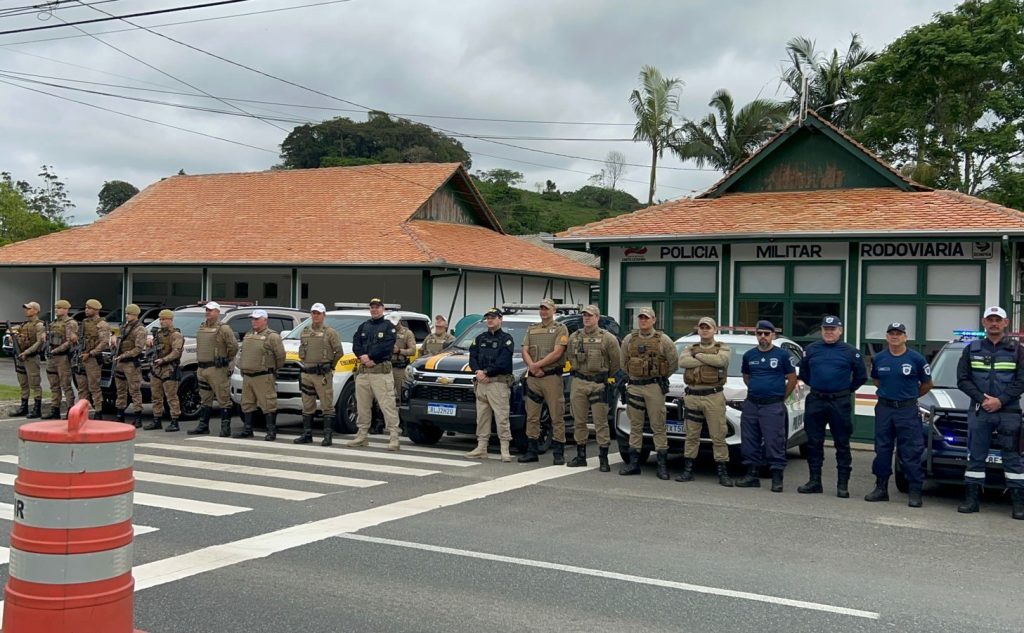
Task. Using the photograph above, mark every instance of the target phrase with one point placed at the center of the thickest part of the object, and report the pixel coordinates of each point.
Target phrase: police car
(739, 341)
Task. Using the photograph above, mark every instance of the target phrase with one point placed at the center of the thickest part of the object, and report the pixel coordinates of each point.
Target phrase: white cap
(318, 307)
(258, 314)
(994, 310)
(212, 305)
(394, 317)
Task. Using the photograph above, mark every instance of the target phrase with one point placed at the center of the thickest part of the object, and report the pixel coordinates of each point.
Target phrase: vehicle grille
(952, 426)
(289, 373)
(438, 393)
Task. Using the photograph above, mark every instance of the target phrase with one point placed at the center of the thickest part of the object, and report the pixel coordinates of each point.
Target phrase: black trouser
(837, 414)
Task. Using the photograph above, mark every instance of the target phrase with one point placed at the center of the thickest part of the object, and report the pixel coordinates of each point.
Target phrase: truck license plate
(674, 428)
(994, 459)
(434, 408)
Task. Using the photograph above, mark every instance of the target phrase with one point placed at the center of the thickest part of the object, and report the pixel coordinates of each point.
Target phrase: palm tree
(654, 108)
(725, 141)
(831, 79)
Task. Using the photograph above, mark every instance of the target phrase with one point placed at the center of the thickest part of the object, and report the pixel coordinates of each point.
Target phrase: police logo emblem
(380, 335)
(773, 363)
(907, 369)
(927, 369)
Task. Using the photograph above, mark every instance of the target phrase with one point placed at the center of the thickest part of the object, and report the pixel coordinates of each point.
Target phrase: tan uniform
(405, 341)
(163, 380)
(646, 359)
(705, 369)
(127, 375)
(433, 344)
(319, 350)
(31, 340)
(594, 357)
(216, 346)
(261, 356)
(63, 338)
(95, 339)
(540, 340)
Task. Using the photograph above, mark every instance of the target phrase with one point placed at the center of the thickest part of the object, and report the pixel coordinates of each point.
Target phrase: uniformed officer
(405, 349)
(165, 372)
(63, 343)
(131, 344)
(438, 339)
(991, 373)
(544, 354)
(490, 358)
(261, 357)
(319, 350)
(770, 378)
(648, 358)
(901, 376)
(834, 370)
(216, 346)
(95, 340)
(373, 344)
(31, 343)
(593, 354)
(705, 366)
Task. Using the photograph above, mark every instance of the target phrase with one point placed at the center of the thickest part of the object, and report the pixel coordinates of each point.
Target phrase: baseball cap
(212, 305)
(493, 312)
(591, 309)
(318, 307)
(258, 314)
(647, 312)
(765, 324)
(94, 304)
(394, 317)
(377, 301)
(547, 303)
(131, 308)
(440, 319)
(896, 325)
(62, 303)
(831, 321)
(31, 304)
(707, 321)
(994, 310)
(167, 314)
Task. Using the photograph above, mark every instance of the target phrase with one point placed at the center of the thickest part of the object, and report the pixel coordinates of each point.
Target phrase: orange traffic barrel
(70, 568)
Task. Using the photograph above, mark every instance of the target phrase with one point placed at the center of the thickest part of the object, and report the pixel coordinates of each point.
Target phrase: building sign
(926, 250)
(768, 251)
(671, 253)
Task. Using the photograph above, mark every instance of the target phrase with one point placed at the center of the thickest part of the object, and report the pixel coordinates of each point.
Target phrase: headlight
(410, 372)
(926, 415)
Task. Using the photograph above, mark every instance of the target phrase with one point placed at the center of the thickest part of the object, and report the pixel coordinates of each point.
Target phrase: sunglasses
(704, 326)
(764, 333)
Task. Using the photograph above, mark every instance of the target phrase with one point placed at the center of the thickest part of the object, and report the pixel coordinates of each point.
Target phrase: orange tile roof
(874, 212)
(342, 215)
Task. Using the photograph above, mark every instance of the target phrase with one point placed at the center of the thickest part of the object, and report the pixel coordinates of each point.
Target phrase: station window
(792, 295)
(679, 293)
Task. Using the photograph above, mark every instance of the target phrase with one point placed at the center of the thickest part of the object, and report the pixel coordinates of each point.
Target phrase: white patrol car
(346, 320)
(735, 393)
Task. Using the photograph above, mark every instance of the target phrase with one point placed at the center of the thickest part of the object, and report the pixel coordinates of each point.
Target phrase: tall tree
(614, 168)
(831, 79)
(113, 194)
(655, 104)
(17, 221)
(726, 140)
(50, 199)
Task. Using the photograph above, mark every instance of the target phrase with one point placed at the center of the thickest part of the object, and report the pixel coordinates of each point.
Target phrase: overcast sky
(562, 60)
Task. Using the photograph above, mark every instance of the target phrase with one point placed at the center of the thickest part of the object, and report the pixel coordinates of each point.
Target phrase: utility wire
(44, 8)
(120, 17)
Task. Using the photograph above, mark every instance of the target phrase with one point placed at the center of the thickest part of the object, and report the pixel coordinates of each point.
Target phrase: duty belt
(835, 395)
(763, 401)
(639, 382)
(319, 369)
(557, 371)
(253, 374)
(58, 353)
(203, 365)
(897, 404)
(599, 378)
(703, 392)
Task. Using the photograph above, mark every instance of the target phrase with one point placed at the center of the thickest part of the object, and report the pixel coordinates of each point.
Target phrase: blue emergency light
(968, 333)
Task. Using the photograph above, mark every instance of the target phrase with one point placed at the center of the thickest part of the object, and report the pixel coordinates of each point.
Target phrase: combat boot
(1017, 495)
(914, 497)
(750, 480)
(687, 474)
(307, 431)
(972, 499)
(479, 452)
(393, 441)
(881, 491)
(776, 481)
(173, 426)
(246, 426)
(117, 418)
(156, 423)
(581, 457)
(505, 455)
(361, 439)
(557, 453)
(843, 486)
(137, 423)
(203, 428)
(531, 452)
(22, 410)
(813, 485)
(632, 465)
(662, 471)
(54, 413)
(723, 475)
(328, 430)
(37, 410)
(602, 459)
(225, 422)
(271, 427)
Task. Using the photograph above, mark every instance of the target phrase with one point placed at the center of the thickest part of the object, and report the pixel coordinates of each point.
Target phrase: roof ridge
(423, 248)
(1016, 214)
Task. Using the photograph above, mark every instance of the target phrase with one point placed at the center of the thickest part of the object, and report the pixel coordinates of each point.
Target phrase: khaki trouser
(709, 409)
(379, 387)
(214, 384)
(29, 378)
(317, 387)
(165, 388)
(641, 398)
(550, 387)
(259, 392)
(128, 379)
(88, 379)
(58, 372)
(492, 398)
(589, 397)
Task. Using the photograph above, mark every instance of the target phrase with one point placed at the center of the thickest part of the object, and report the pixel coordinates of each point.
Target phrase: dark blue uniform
(375, 338)
(833, 372)
(897, 419)
(492, 352)
(763, 420)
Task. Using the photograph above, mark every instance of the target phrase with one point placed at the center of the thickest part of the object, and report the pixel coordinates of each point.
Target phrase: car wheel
(901, 480)
(345, 411)
(109, 404)
(423, 434)
(188, 396)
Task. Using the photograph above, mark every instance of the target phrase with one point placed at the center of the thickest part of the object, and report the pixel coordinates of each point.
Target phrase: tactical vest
(127, 340)
(314, 346)
(399, 361)
(644, 358)
(254, 351)
(543, 339)
(208, 345)
(992, 372)
(433, 344)
(91, 333)
(705, 375)
(162, 341)
(27, 334)
(58, 332)
(589, 352)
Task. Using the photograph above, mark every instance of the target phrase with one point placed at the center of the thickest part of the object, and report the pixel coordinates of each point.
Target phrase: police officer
(405, 349)
(438, 339)
(594, 356)
(991, 373)
(319, 350)
(901, 376)
(63, 342)
(95, 340)
(834, 370)
(216, 346)
(131, 344)
(705, 366)
(31, 337)
(261, 357)
(373, 344)
(770, 378)
(165, 372)
(544, 354)
(490, 358)
(648, 359)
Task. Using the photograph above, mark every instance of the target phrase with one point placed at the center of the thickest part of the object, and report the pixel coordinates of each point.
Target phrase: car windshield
(735, 359)
(345, 324)
(187, 322)
(944, 365)
(516, 328)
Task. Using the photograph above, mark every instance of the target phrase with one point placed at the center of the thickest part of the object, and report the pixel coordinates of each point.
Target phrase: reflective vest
(705, 375)
(543, 339)
(208, 345)
(644, 358)
(588, 352)
(254, 351)
(993, 371)
(313, 349)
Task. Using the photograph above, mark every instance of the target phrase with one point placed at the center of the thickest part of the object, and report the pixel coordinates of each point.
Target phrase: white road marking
(186, 505)
(5, 555)
(13, 420)
(7, 512)
(347, 452)
(610, 575)
(192, 449)
(243, 469)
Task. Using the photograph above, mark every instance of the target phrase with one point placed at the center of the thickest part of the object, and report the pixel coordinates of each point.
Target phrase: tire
(423, 434)
(188, 396)
(345, 410)
(901, 480)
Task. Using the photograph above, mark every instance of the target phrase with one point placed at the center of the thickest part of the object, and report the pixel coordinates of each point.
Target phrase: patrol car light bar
(559, 307)
(968, 333)
(745, 329)
(362, 306)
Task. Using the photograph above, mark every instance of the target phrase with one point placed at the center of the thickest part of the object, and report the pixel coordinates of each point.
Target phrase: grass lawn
(8, 392)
